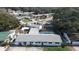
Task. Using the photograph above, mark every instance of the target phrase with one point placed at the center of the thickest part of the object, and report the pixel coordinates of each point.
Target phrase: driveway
(76, 48)
(25, 49)
(2, 49)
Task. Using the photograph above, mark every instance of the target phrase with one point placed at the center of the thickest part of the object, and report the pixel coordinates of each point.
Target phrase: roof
(34, 25)
(38, 37)
(23, 28)
(34, 31)
(43, 14)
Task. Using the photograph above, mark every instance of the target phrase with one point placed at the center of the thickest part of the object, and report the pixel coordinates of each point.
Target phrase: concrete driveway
(25, 49)
(76, 48)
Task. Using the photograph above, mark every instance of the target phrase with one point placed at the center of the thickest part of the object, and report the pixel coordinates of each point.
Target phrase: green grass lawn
(26, 20)
(56, 49)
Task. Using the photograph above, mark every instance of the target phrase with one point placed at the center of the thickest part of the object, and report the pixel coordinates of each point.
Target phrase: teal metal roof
(3, 35)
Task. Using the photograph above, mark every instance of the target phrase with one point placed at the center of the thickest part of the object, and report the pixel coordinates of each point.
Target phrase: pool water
(3, 35)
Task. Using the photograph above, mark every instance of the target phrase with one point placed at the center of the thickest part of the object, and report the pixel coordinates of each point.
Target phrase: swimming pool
(3, 35)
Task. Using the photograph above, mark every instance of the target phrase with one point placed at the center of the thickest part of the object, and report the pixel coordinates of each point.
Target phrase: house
(34, 38)
(38, 40)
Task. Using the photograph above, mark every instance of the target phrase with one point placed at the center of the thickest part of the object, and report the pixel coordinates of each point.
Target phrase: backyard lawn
(26, 20)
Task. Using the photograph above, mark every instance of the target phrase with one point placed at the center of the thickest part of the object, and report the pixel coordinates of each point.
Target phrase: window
(20, 44)
(44, 42)
(37, 42)
(50, 42)
(25, 43)
(57, 42)
(31, 42)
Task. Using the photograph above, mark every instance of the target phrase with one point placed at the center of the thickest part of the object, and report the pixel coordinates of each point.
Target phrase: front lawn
(56, 49)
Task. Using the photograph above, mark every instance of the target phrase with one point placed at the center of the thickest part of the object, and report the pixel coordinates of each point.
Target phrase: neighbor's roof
(23, 28)
(38, 37)
(3, 36)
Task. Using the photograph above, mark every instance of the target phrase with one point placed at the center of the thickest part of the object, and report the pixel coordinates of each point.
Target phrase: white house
(38, 39)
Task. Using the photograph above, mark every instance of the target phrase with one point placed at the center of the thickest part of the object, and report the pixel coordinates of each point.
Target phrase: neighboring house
(42, 16)
(12, 12)
(35, 26)
(20, 14)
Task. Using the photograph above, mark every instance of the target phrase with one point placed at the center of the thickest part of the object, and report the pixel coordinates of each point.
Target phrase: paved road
(25, 49)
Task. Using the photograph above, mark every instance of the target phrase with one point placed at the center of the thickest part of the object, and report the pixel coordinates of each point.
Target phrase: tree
(7, 22)
(66, 19)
